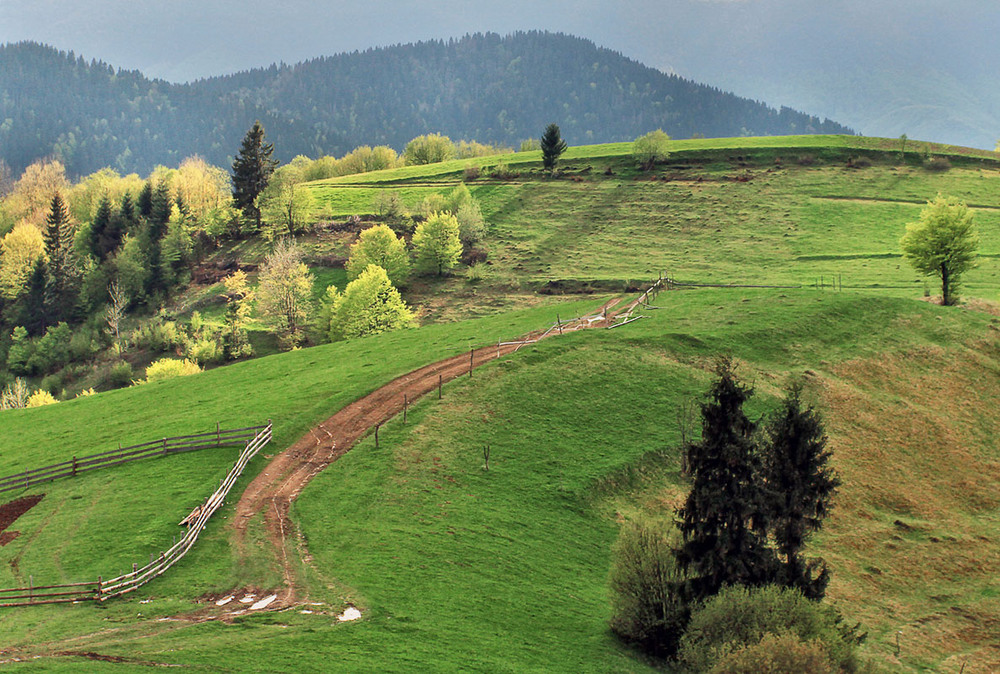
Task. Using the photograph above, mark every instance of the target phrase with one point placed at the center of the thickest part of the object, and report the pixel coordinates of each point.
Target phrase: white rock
(224, 600)
(350, 614)
(264, 603)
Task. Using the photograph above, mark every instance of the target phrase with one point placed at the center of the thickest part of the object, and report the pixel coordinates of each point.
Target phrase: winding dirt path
(283, 479)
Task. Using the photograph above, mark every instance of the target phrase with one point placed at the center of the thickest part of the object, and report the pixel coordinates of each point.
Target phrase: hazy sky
(780, 51)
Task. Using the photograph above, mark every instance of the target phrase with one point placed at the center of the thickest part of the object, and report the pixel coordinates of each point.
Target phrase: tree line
(498, 90)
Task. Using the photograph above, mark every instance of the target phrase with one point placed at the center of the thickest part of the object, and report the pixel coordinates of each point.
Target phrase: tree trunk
(945, 285)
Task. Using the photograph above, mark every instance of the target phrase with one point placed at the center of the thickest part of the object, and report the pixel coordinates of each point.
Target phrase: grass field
(463, 569)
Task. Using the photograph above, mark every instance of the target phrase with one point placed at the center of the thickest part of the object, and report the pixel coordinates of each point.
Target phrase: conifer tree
(31, 305)
(723, 519)
(252, 170)
(58, 236)
(800, 483)
(98, 229)
(552, 146)
(145, 201)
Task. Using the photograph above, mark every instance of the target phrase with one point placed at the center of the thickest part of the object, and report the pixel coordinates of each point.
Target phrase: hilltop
(485, 87)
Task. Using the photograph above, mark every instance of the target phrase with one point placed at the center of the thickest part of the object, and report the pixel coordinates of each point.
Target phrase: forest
(498, 90)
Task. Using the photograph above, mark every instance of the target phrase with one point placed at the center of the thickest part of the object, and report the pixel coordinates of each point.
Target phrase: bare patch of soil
(9, 512)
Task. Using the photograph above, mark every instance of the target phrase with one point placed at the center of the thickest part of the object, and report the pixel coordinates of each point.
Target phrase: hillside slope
(482, 87)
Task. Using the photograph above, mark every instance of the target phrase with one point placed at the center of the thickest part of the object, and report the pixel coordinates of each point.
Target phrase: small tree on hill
(252, 171)
(429, 149)
(800, 485)
(369, 305)
(284, 292)
(436, 244)
(552, 146)
(723, 520)
(942, 243)
(651, 148)
(380, 246)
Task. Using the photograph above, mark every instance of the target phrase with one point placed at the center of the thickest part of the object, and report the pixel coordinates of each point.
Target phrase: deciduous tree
(369, 305)
(19, 250)
(942, 243)
(651, 148)
(380, 246)
(429, 149)
(436, 244)
(284, 292)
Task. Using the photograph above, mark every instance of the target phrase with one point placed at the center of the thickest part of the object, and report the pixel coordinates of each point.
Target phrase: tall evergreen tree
(58, 236)
(552, 146)
(145, 201)
(723, 521)
(252, 170)
(801, 484)
(30, 306)
(128, 216)
(98, 229)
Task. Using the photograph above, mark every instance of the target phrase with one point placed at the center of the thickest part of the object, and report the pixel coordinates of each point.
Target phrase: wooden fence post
(440, 382)
(471, 351)
(164, 445)
(377, 426)
(31, 591)
(74, 466)
(406, 403)
(26, 479)
(100, 586)
(559, 323)
(218, 435)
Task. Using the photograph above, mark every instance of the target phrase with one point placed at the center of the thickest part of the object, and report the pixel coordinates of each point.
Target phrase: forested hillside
(484, 87)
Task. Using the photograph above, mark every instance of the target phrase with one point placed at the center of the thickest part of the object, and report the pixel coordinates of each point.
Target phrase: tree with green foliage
(651, 148)
(380, 246)
(436, 244)
(285, 205)
(62, 285)
(552, 146)
(644, 574)
(239, 303)
(252, 171)
(284, 292)
(369, 305)
(98, 228)
(429, 149)
(942, 243)
(723, 520)
(800, 483)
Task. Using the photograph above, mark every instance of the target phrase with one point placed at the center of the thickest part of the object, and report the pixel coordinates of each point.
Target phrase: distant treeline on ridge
(487, 88)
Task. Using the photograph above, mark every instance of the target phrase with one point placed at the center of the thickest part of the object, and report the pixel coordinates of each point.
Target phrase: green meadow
(457, 567)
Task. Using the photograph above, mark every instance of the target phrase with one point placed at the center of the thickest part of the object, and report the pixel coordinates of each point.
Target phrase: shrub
(204, 350)
(170, 368)
(501, 171)
(15, 395)
(937, 164)
(807, 159)
(40, 398)
(644, 573)
(158, 335)
(120, 375)
(471, 173)
(471, 225)
(651, 148)
(429, 149)
(740, 617)
(777, 654)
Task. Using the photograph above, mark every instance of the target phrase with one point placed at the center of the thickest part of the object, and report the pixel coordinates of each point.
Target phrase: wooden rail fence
(101, 590)
(77, 465)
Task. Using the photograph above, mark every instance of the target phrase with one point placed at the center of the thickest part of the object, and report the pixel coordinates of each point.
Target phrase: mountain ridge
(483, 86)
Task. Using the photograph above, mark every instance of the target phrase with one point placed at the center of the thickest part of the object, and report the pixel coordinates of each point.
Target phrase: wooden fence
(100, 590)
(183, 443)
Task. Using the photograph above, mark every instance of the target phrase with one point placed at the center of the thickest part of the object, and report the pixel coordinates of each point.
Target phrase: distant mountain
(481, 87)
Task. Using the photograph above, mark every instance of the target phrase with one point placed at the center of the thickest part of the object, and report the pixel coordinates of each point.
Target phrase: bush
(429, 149)
(120, 375)
(15, 395)
(645, 608)
(471, 173)
(740, 617)
(158, 336)
(937, 164)
(40, 398)
(651, 148)
(170, 368)
(204, 350)
(777, 654)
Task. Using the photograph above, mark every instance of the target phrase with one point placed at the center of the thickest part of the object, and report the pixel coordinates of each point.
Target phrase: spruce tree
(58, 237)
(145, 200)
(252, 171)
(552, 146)
(723, 519)
(128, 216)
(30, 310)
(801, 484)
(98, 229)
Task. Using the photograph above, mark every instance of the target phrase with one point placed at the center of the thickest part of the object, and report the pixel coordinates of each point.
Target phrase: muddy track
(283, 479)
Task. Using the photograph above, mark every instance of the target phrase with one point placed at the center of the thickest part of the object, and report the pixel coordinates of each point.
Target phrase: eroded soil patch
(9, 512)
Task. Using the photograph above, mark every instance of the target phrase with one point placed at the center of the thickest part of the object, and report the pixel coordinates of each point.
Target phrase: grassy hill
(505, 570)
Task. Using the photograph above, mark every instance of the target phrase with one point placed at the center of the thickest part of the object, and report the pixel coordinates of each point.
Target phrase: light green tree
(284, 292)
(18, 251)
(942, 243)
(651, 148)
(436, 244)
(429, 149)
(285, 205)
(369, 305)
(379, 245)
